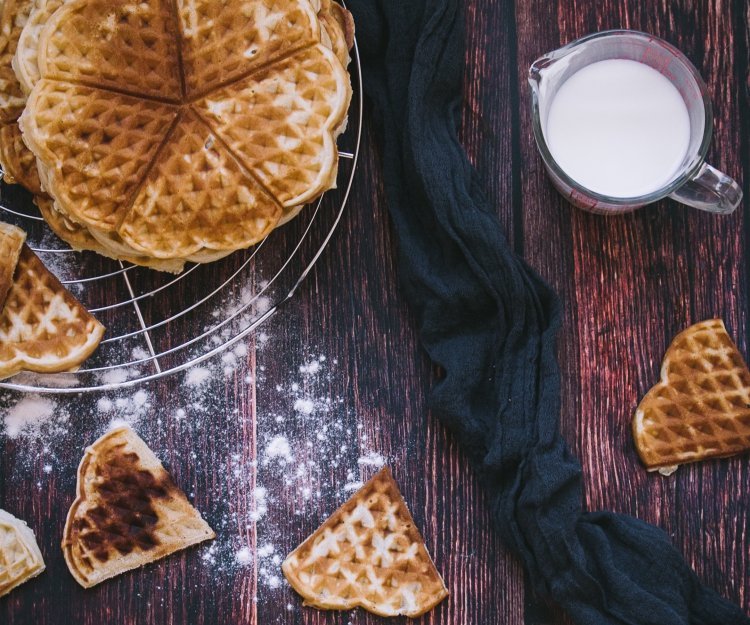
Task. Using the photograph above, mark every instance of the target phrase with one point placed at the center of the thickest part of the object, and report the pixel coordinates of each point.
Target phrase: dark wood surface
(628, 285)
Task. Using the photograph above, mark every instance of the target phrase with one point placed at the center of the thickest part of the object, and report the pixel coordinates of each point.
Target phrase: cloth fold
(490, 322)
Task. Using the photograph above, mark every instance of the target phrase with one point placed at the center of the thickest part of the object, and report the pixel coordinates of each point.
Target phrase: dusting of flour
(29, 415)
(304, 455)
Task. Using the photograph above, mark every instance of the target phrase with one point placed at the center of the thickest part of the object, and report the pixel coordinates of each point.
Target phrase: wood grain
(628, 285)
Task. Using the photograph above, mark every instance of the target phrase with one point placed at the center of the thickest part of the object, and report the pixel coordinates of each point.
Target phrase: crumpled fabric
(490, 322)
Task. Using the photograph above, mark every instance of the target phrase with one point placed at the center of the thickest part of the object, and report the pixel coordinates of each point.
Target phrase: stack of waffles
(166, 131)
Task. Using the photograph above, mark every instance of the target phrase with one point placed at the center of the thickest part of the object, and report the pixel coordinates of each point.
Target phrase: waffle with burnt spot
(701, 407)
(368, 554)
(128, 511)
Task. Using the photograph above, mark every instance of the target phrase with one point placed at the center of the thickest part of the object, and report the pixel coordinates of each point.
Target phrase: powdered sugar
(244, 557)
(277, 449)
(197, 376)
(29, 415)
(371, 459)
(304, 405)
(298, 453)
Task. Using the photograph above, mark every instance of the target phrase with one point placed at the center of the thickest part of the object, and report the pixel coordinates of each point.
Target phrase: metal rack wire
(159, 324)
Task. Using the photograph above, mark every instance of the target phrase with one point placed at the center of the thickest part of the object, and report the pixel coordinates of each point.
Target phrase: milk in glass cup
(623, 119)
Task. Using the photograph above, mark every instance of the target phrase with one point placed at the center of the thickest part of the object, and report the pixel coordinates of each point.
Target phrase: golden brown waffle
(701, 407)
(17, 161)
(43, 328)
(196, 172)
(12, 19)
(20, 558)
(338, 25)
(81, 239)
(368, 554)
(128, 511)
(24, 61)
(11, 244)
(182, 135)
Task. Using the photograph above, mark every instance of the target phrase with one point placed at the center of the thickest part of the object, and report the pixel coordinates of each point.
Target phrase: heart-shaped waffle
(128, 511)
(20, 558)
(368, 554)
(43, 328)
(177, 127)
(701, 407)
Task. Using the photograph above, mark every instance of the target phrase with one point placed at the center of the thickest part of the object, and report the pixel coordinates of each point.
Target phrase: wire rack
(159, 324)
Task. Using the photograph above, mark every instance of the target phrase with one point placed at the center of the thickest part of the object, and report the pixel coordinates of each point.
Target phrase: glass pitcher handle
(710, 190)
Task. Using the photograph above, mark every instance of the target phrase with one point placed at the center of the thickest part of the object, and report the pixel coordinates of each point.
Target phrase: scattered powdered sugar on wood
(30, 415)
(197, 376)
(305, 454)
(277, 449)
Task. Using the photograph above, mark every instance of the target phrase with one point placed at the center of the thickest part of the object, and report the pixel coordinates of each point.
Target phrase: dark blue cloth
(490, 322)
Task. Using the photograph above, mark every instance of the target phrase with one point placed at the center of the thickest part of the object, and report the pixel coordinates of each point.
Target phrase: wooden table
(628, 285)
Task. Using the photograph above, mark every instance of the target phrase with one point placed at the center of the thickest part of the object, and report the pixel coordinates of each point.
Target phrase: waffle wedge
(368, 554)
(701, 406)
(20, 558)
(13, 16)
(81, 239)
(17, 162)
(128, 511)
(11, 244)
(43, 328)
(183, 138)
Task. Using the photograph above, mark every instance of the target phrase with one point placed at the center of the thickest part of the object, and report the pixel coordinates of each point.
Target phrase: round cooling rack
(158, 323)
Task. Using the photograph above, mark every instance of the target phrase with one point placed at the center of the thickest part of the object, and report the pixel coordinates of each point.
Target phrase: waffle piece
(368, 554)
(212, 193)
(225, 41)
(338, 25)
(24, 61)
(128, 511)
(95, 146)
(273, 121)
(112, 43)
(43, 328)
(114, 153)
(18, 162)
(20, 558)
(11, 244)
(701, 407)
(13, 16)
(81, 239)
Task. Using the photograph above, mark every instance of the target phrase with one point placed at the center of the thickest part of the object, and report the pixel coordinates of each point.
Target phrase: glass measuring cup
(695, 182)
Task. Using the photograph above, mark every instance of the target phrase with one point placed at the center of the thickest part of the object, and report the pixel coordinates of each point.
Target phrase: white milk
(618, 128)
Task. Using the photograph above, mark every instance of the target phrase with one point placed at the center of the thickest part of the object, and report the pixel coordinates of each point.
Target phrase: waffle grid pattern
(701, 407)
(368, 554)
(292, 94)
(11, 244)
(43, 327)
(277, 274)
(128, 512)
(19, 554)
